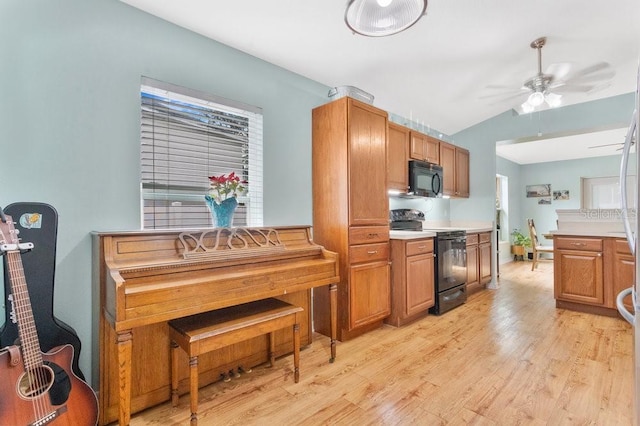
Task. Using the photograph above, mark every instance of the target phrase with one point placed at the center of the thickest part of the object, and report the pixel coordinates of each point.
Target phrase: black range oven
(450, 270)
(450, 247)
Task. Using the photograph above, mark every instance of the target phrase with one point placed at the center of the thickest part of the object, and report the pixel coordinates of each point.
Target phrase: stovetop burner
(406, 219)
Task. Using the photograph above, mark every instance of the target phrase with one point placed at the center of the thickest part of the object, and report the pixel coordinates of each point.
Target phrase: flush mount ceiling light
(378, 18)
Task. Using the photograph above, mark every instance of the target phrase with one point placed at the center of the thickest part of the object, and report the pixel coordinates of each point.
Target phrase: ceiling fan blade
(605, 75)
(507, 98)
(599, 87)
(572, 88)
(607, 144)
(600, 66)
(559, 70)
(505, 91)
(505, 94)
(499, 86)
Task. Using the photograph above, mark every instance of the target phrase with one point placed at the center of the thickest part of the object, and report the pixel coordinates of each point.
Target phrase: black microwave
(425, 179)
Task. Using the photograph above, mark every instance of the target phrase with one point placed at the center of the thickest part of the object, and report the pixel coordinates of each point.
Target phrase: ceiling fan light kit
(543, 87)
(379, 18)
(540, 85)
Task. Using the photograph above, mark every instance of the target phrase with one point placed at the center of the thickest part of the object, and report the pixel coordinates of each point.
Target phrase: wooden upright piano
(147, 278)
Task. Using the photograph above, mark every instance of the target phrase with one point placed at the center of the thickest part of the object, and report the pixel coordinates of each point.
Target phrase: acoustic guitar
(37, 388)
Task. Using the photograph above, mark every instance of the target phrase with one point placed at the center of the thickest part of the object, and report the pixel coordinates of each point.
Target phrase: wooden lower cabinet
(579, 276)
(589, 272)
(623, 270)
(473, 267)
(369, 297)
(478, 260)
(484, 257)
(412, 280)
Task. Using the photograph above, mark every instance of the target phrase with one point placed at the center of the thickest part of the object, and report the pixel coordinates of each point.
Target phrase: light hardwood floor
(506, 357)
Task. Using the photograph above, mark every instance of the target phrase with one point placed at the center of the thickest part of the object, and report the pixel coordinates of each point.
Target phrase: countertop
(589, 233)
(427, 233)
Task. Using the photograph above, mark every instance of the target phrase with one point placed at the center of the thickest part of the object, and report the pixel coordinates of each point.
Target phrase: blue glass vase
(222, 213)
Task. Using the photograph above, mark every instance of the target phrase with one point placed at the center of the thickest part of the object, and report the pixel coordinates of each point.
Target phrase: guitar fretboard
(22, 305)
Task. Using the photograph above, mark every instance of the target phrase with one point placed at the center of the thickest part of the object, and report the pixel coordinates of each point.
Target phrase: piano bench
(202, 333)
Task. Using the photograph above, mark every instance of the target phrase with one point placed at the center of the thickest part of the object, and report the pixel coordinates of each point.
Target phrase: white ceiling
(595, 144)
(436, 72)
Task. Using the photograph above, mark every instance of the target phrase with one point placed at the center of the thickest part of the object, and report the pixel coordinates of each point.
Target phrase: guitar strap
(38, 224)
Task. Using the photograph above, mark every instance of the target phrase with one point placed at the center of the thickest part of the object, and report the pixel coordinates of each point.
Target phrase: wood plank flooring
(506, 357)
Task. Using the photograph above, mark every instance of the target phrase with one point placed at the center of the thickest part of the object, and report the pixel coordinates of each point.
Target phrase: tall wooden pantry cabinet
(351, 213)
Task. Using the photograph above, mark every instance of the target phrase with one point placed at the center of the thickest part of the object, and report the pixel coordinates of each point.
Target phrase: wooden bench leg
(272, 349)
(193, 381)
(174, 374)
(296, 352)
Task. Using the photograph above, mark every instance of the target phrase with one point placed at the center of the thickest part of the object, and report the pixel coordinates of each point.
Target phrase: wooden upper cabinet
(367, 158)
(397, 157)
(462, 172)
(455, 169)
(424, 148)
(448, 163)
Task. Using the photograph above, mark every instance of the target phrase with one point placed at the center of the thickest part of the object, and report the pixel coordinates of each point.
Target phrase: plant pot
(517, 250)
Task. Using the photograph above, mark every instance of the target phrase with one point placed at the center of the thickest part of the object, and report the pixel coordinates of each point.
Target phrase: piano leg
(333, 301)
(124, 343)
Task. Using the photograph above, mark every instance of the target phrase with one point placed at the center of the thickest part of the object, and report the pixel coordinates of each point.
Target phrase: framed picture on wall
(544, 200)
(561, 195)
(541, 190)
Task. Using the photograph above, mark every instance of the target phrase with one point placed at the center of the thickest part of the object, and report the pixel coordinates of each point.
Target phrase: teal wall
(481, 138)
(69, 84)
(561, 175)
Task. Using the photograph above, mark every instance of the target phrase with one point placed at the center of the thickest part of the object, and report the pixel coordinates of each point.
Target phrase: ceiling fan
(549, 86)
(633, 142)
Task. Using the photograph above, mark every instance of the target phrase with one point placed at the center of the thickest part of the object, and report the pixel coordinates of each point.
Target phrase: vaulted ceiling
(441, 72)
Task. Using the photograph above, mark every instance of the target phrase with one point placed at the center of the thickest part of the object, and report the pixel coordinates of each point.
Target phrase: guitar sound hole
(35, 382)
(50, 378)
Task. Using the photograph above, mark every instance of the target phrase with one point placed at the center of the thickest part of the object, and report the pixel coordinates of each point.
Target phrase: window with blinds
(187, 136)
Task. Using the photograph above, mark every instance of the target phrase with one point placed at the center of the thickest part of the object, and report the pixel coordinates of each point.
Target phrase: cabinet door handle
(372, 251)
(372, 235)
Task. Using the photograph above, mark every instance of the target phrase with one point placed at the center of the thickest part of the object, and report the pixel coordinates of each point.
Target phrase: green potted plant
(520, 241)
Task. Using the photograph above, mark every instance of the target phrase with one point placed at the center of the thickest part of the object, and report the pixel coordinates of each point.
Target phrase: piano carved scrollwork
(230, 243)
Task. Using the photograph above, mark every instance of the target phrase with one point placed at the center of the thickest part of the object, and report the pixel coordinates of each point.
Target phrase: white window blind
(187, 136)
(604, 192)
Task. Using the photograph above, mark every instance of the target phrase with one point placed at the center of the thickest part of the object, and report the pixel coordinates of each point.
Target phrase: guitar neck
(22, 306)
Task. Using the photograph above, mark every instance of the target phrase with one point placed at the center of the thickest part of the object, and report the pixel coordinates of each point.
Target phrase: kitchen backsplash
(433, 208)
